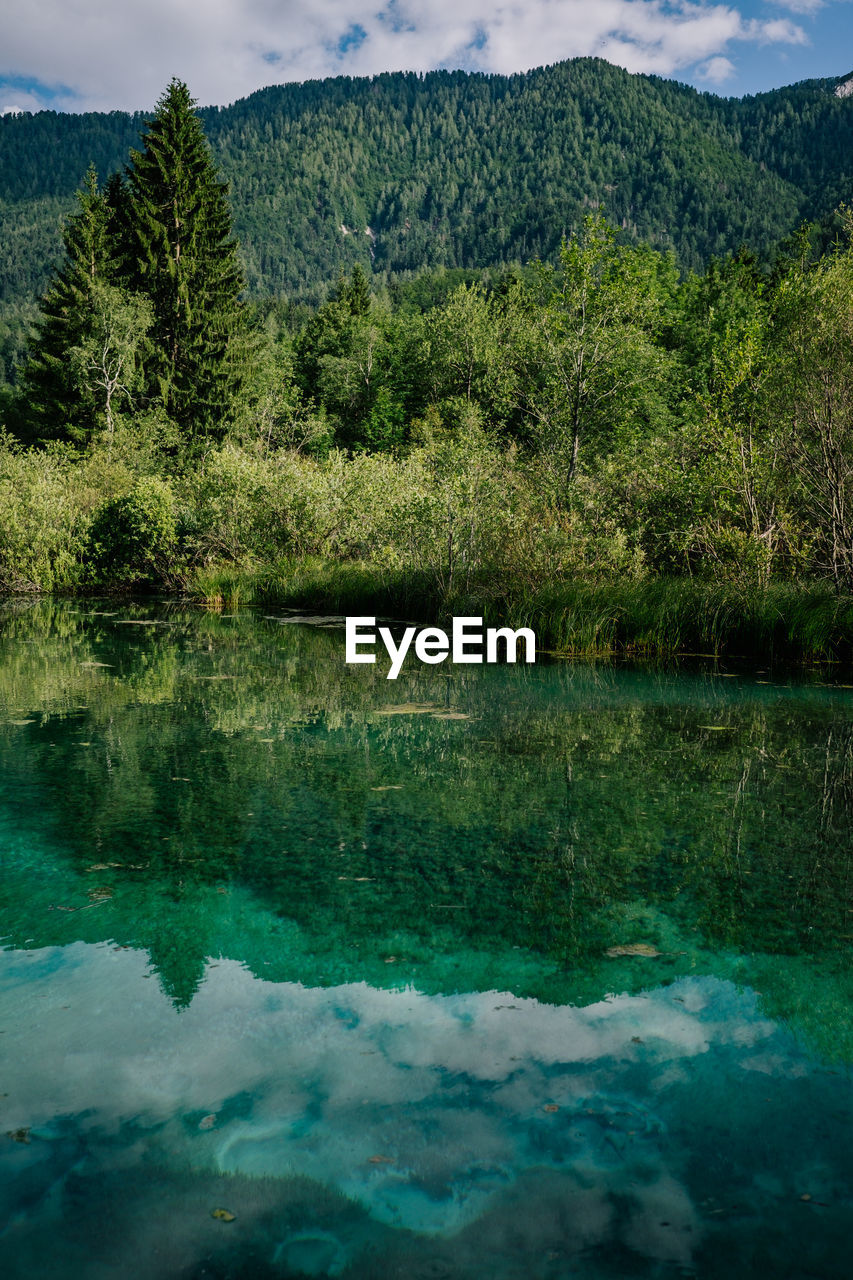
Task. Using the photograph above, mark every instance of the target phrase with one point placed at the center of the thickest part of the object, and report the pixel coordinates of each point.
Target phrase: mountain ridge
(459, 169)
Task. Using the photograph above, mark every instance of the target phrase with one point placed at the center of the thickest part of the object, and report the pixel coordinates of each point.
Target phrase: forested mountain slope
(459, 169)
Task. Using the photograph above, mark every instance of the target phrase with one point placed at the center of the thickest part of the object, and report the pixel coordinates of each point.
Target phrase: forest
(403, 173)
(627, 442)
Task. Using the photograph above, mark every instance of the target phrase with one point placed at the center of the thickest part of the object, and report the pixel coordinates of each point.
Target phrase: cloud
(780, 31)
(15, 104)
(717, 70)
(97, 54)
(806, 7)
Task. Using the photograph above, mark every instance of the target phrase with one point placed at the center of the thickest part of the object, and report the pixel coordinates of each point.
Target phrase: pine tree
(56, 403)
(178, 250)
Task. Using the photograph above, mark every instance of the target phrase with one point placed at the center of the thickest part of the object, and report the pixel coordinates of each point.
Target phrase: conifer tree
(178, 251)
(57, 404)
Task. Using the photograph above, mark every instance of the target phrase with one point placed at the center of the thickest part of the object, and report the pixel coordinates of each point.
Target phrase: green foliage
(42, 526)
(593, 422)
(133, 538)
(341, 361)
(60, 395)
(466, 350)
(177, 249)
(47, 497)
(384, 429)
(106, 364)
(813, 377)
(591, 367)
(144, 311)
(402, 172)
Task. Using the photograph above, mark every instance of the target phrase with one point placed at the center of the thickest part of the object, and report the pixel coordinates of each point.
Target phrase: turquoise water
(497, 972)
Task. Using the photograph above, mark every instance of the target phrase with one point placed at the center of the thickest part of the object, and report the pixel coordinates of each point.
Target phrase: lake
(496, 972)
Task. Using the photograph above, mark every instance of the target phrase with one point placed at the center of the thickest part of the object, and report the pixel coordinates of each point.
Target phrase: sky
(83, 55)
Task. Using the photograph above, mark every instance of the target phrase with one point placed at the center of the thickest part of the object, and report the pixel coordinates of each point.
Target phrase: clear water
(487, 972)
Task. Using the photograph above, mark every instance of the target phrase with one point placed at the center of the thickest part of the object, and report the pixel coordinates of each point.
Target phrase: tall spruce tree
(178, 250)
(56, 403)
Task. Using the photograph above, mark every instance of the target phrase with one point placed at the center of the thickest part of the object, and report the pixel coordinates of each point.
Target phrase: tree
(814, 386)
(589, 364)
(133, 537)
(106, 361)
(731, 439)
(342, 358)
(178, 251)
(467, 348)
(57, 402)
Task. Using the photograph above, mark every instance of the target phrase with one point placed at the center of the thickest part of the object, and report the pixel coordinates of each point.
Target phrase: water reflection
(187, 783)
(642, 1127)
(509, 972)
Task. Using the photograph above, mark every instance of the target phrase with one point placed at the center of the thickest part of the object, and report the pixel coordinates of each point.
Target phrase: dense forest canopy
(575, 404)
(459, 169)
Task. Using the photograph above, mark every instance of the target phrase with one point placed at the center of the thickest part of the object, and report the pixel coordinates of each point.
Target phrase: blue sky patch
(352, 39)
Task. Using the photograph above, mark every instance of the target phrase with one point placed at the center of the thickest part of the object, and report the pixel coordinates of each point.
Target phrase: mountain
(406, 171)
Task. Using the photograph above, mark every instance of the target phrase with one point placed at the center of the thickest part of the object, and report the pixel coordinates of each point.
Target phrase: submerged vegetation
(618, 455)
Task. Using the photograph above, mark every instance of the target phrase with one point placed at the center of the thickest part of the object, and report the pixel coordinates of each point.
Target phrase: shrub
(133, 538)
(43, 519)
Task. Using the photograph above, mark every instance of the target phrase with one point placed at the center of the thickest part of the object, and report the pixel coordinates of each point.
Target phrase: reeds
(658, 617)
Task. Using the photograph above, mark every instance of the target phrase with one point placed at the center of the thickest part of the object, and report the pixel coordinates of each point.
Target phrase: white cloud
(779, 31)
(116, 55)
(717, 70)
(802, 6)
(16, 103)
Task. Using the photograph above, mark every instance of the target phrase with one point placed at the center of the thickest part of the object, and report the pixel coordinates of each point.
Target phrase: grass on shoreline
(657, 617)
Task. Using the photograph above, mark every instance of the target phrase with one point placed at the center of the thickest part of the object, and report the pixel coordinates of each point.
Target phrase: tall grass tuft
(667, 616)
(658, 617)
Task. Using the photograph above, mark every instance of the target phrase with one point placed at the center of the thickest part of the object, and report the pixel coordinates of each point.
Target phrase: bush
(43, 519)
(133, 538)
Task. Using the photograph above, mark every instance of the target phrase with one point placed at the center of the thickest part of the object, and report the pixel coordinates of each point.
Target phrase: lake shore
(656, 617)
